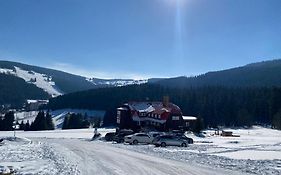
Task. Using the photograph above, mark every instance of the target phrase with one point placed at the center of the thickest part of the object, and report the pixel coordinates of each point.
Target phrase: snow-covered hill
(56, 82)
(115, 82)
(42, 81)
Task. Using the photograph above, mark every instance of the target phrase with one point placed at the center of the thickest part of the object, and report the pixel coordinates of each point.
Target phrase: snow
(116, 83)
(26, 116)
(58, 115)
(6, 71)
(36, 158)
(59, 134)
(42, 81)
(256, 151)
(189, 118)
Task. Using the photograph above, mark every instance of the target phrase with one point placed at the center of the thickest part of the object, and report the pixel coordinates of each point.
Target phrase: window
(175, 118)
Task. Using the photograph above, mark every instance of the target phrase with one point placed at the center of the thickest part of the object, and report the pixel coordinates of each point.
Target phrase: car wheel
(163, 144)
(183, 145)
(135, 142)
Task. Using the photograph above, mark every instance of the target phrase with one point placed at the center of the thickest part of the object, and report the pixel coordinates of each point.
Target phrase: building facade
(161, 116)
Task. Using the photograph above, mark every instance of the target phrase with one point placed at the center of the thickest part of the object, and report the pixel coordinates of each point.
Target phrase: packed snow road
(103, 158)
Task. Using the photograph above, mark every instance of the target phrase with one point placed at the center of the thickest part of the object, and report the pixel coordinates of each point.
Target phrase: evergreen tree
(39, 122)
(7, 122)
(199, 125)
(27, 126)
(276, 122)
(22, 125)
(65, 122)
(49, 122)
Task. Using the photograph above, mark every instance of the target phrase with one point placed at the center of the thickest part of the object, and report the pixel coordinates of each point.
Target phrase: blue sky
(140, 38)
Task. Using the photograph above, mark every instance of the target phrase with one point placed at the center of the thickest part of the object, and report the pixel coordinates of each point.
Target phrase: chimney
(165, 101)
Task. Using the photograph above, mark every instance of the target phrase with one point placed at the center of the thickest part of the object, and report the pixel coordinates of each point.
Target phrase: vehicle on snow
(138, 138)
(171, 140)
(109, 136)
(119, 137)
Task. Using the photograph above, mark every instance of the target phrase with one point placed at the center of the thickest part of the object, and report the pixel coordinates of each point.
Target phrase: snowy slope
(42, 81)
(115, 82)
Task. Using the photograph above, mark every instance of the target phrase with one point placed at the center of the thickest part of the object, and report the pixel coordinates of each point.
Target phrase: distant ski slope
(42, 81)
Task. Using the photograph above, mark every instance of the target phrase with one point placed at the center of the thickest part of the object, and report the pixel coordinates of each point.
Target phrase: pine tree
(22, 125)
(65, 122)
(49, 122)
(276, 122)
(199, 125)
(8, 121)
(39, 122)
(27, 126)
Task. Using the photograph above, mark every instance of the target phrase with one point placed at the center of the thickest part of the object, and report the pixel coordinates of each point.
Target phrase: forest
(216, 105)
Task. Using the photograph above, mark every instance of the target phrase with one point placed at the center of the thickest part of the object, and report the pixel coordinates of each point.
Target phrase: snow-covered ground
(256, 151)
(27, 157)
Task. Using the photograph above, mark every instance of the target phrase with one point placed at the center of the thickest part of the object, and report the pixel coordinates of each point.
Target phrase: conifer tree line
(225, 106)
(43, 121)
(6, 121)
(75, 121)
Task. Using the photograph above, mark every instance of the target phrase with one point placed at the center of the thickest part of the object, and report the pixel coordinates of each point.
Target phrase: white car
(171, 140)
(138, 138)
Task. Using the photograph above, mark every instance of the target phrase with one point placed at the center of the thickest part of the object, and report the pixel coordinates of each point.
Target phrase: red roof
(154, 107)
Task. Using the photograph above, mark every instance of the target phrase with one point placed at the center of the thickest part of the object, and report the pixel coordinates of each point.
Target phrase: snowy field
(256, 151)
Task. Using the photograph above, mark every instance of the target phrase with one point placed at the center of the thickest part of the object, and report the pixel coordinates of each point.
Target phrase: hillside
(14, 91)
(216, 105)
(262, 74)
(28, 80)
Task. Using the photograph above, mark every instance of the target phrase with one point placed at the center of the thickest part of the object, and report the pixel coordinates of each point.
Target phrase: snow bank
(35, 158)
(69, 133)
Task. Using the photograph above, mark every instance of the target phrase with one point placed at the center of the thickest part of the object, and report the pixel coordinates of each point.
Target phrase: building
(159, 115)
(34, 105)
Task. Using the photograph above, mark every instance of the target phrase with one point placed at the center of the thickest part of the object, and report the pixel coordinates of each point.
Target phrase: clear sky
(140, 38)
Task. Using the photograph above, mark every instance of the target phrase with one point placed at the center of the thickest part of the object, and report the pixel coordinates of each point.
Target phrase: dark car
(109, 136)
(188, 140)
(119, 137)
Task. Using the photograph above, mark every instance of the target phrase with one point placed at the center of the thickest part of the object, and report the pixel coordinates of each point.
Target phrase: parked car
(109, 136)
(119, 137)
(170, 140)
(138, 138)
(189, 140)
(155, 134)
